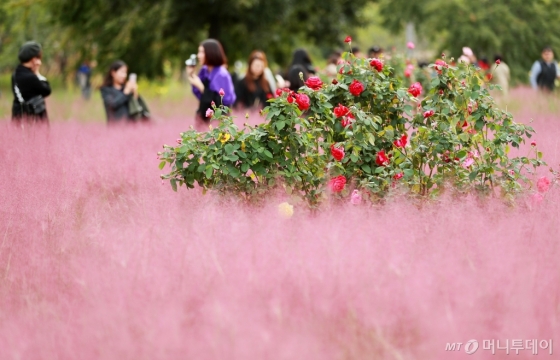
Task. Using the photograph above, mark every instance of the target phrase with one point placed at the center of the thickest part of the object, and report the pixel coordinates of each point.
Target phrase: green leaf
(268, 154)
(366, 168)
(162, 165)
(209, 172)
(173, 183)
(280, 125)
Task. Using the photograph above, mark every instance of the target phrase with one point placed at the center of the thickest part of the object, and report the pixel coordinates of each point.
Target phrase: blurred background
(156, 37)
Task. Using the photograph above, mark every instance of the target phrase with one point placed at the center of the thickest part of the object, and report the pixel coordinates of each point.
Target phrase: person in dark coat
(29, 86)
(117, 93)
(253, 90)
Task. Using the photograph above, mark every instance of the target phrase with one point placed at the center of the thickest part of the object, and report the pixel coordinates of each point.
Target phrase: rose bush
(365, 132)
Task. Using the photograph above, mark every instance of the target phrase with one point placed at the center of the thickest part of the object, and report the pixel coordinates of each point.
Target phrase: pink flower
(302, 101)
(348, 39)
(355, 198)
(468, 162)
(440, 64)
(341, 110)
(213, 104)
(222, 92)
(381, 158)
(356, 88)
(179, 141)
(410, 45)
(407, 73)
(537, 198)
(415, 89)
(314, 82)
(347, 120)
(209, 113)
(398, 176)
(428, 114)
(498, 62)
(376, 64)
(337, 183)
(400, 143)
(543, 184)
(533, 143)
(337, 153)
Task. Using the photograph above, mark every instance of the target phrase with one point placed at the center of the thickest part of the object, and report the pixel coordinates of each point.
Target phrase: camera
(191, 61)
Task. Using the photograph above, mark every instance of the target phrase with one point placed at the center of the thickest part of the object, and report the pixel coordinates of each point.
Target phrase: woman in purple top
(212, 77)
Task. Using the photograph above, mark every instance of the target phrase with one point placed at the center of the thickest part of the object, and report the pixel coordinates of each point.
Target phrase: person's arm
(36, 84)
(222, 80)
(535, 71)
(114, 98)
(195, 81)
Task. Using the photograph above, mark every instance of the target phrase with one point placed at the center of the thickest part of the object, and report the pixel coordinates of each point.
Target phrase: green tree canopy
(517, 29)
(145, 32)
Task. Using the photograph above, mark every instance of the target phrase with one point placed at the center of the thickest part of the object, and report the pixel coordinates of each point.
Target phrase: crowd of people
(214, 84)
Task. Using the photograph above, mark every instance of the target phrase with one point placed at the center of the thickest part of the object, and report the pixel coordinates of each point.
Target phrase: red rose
(356, 88)
(441, 92)
(428, 114)
(290, 98)
(314, 83)
(334, 81)
(533, 143)
(348, 39)
(279, 92)
(302, 101)
(381, 159)
(337, 153)
(498, 62)
(337, 184)
(400, 143)
(415, 89)
(341, 110)
(377, 64)
(398, 176)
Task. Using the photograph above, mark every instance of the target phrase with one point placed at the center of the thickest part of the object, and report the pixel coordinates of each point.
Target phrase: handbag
(34, 106)
(137, 109)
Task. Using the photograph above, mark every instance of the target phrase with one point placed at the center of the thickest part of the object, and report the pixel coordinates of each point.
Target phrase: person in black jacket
(253, 90)
(117, 92)
(29, 86)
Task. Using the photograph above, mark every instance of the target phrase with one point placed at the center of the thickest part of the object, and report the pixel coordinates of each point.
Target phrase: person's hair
(213, 53)
(115, 66)
(333, 58)
(293, 77)
(355, 49)
(301, 57)
(498, 57)
(546, 49)
(249, 80)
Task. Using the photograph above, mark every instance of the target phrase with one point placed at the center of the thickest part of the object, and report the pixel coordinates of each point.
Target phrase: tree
(145, 32)
(516, 29)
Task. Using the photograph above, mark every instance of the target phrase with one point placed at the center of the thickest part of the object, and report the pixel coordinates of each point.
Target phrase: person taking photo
(29, 87)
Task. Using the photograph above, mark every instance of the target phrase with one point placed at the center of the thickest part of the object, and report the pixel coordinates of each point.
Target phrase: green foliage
(463, 144)
(517, 29)
(145, 32)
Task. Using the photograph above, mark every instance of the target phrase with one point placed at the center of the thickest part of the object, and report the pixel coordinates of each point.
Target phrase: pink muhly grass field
(98, 260)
